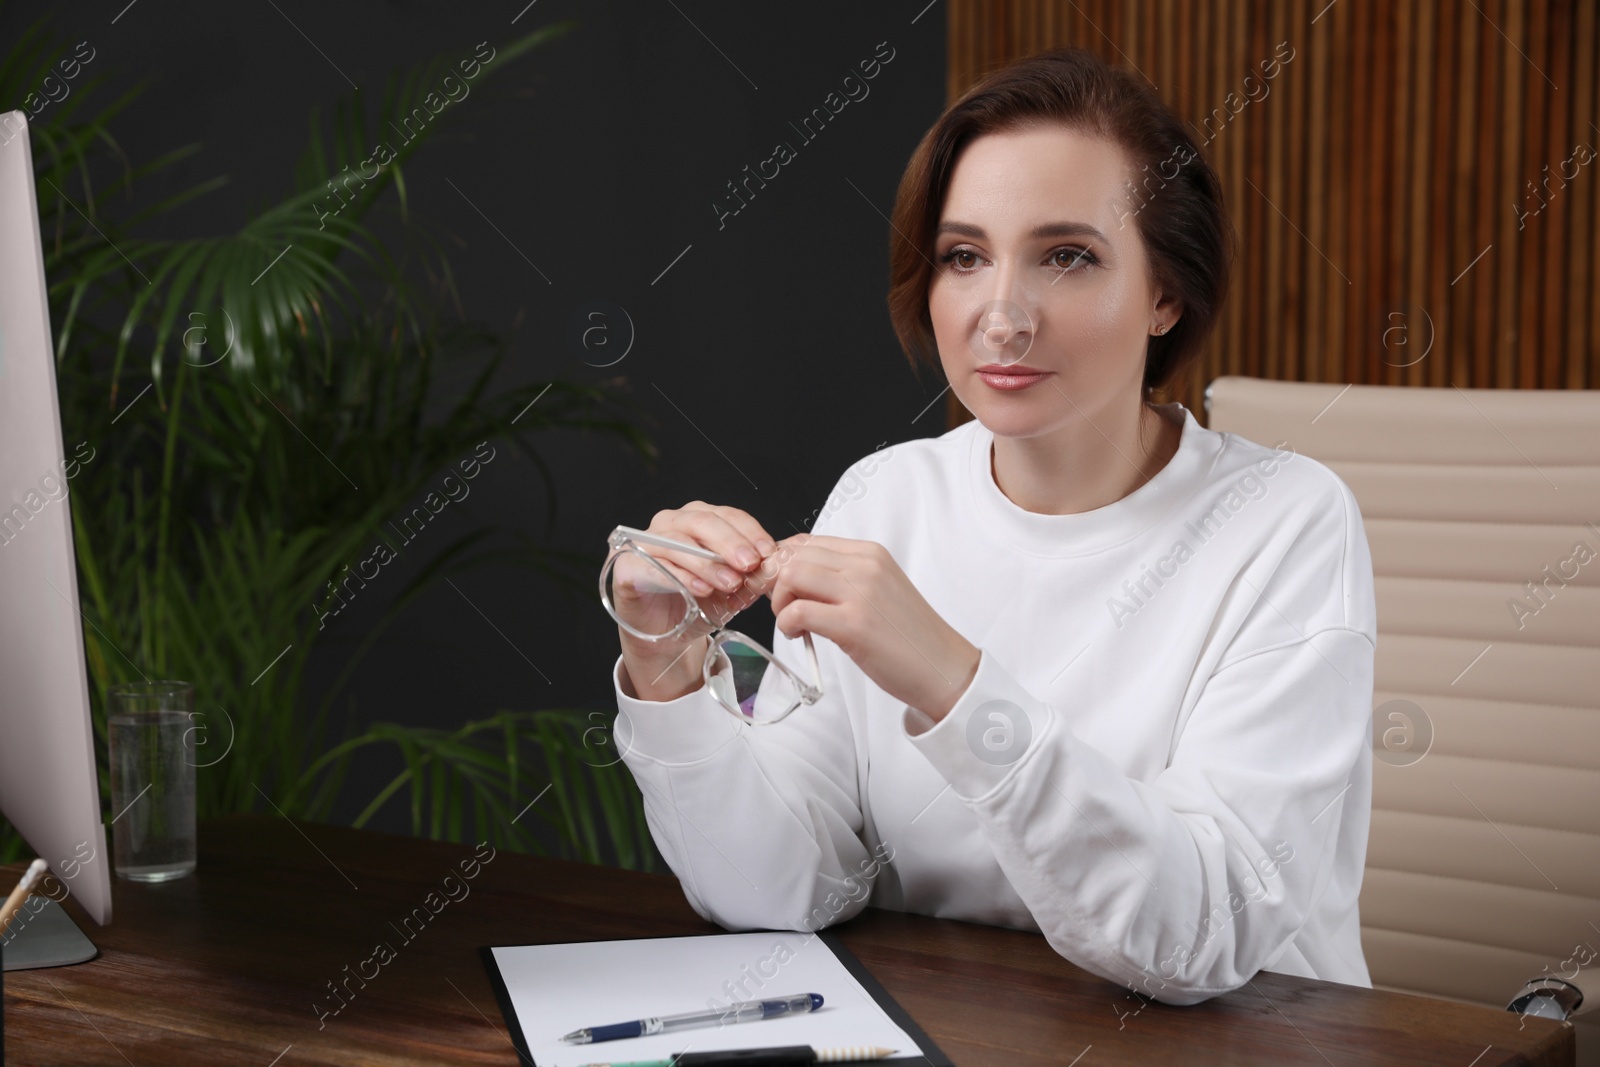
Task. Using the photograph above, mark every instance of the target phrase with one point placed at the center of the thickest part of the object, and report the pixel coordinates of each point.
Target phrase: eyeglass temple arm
(816, 672)
(623, 534)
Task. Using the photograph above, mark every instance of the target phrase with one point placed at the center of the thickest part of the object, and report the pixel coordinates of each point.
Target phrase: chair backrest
(1482, 509)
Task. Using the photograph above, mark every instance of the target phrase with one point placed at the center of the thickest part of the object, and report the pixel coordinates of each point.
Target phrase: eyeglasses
(651, 602)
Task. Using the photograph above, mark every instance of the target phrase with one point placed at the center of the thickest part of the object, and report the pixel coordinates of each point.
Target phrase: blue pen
(740, 1012)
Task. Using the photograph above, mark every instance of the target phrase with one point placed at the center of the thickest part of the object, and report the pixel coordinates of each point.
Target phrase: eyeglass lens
(648, 597)
(762, 691)
(644, 595)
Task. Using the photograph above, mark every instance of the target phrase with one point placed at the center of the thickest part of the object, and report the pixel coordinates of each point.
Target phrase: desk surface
(227, 966)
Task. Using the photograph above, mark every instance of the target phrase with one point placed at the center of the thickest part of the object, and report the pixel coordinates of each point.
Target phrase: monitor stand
(44, 938)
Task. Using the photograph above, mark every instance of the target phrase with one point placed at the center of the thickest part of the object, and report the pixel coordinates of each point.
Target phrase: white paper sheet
(556, 989)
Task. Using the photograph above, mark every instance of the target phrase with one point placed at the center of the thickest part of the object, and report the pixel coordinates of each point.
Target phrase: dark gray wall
(763, 354)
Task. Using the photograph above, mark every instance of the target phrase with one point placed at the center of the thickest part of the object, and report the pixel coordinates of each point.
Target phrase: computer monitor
(49, 789)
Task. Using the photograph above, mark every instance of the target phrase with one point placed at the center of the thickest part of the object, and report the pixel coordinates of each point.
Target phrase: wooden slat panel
(1420, 166)
(1558, 144)
(1514, 162)
(1580, 243)
(1379, 182)
(1380, 179)
(1586, 50)
(1482, 181)
(1536, 154)
(1449, 106)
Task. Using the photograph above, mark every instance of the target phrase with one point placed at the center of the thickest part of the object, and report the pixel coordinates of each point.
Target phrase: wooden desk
(226, 966)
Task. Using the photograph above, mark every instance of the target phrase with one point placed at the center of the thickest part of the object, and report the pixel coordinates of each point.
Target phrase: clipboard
(927, 1051)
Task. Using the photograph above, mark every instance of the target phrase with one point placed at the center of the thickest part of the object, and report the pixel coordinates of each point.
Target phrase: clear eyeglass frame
(628, 539)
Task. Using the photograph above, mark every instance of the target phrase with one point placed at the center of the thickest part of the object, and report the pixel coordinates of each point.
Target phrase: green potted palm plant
(250, 411)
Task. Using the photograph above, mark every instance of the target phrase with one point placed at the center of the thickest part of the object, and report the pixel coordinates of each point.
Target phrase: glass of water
(152, 780)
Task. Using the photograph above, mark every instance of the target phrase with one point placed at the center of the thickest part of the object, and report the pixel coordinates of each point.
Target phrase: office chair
(1482, 510)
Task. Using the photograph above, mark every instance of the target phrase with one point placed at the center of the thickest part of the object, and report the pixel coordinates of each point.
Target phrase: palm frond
(482, 763)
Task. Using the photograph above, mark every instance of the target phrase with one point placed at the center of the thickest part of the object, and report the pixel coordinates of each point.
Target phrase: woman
(1088, 668)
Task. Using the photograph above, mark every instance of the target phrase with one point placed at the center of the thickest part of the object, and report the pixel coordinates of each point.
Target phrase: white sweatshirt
(1176, 782)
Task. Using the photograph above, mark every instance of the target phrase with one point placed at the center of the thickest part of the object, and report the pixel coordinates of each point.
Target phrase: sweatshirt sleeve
(761, 824)
(1183, 886)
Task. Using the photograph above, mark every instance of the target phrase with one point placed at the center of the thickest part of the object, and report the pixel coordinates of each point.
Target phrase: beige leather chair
(1482, 509)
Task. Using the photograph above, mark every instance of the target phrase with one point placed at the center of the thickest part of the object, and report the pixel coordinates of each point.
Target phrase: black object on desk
(779, 1056)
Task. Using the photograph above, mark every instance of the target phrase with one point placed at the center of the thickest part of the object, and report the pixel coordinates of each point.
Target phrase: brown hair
(1181, 219)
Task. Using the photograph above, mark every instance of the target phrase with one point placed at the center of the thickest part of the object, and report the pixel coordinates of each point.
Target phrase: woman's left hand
(853, 593)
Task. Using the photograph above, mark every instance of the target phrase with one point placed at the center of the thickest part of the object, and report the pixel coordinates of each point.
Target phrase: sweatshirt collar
(1104, 527)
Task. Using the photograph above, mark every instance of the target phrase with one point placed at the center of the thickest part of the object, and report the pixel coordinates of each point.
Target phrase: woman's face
(1041, 272)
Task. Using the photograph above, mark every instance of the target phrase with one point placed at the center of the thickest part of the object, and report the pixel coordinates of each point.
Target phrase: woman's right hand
(661, 670)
